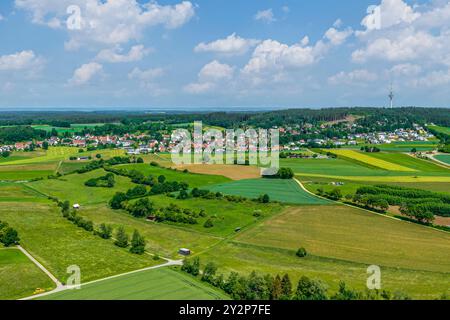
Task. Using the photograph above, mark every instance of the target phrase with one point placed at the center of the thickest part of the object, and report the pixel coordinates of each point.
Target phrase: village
(135, 144)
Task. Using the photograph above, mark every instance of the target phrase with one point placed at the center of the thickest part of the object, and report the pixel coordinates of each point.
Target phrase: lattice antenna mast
(391, 96)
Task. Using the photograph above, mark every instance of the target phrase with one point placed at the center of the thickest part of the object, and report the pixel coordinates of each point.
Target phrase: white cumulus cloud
(85, 73)
(110, 22)
(231, 45)
(115, 55)
(23, 60)
(210, 76)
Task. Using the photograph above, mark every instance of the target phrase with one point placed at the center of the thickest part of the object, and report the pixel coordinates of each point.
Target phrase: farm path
(40, 266)
(169, 263)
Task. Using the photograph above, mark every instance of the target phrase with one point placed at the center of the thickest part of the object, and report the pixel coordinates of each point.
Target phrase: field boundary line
(40, 266)
(372, 212)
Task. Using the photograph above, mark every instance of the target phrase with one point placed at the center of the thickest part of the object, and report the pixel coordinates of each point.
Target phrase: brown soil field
(229, 171)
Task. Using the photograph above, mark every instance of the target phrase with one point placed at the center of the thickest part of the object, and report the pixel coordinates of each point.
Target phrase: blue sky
(223, 53)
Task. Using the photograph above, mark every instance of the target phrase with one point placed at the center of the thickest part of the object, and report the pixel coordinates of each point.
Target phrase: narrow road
(40, 266)
(169, 263)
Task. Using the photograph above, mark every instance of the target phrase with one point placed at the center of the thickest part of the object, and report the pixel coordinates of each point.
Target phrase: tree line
(256, 286)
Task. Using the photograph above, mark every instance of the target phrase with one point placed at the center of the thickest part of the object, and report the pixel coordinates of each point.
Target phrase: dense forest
(366, 119)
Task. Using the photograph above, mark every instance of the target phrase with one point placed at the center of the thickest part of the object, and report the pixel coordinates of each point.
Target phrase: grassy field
(161, 238)
(287, 191)
(444, 158)
(72, 188)
(341, 243)
(157, 284)
(230, 216)
(369, 160)
(194, 180)
(27, 172)
(11, 192)
(19, 277)
(58, 244)
(245, 258)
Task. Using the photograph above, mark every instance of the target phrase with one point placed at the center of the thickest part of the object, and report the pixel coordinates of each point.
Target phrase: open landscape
(260, 153)
(69, 203)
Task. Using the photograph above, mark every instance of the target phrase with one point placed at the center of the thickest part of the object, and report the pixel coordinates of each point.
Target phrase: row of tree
(105, 231)
(267, 287)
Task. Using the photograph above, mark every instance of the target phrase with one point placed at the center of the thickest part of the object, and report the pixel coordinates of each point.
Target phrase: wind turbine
(391, 96)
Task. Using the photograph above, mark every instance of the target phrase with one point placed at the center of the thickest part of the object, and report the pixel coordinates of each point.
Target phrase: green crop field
(405, 146)
(338, 167)
(287, 191)
(27, 172)
(444, 130)
(157, 284)
(19, 277)
(72, 188)
(341, 243)
(410, 162)
(444, 158)
(194, 180)
(369, 160)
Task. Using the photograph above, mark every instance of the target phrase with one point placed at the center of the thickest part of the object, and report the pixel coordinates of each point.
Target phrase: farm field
(444, 158)
(230, 171)
(410, 162)
(383, 179)
(354, 235)
(27, 172)
(287, 191)
(157, 284)
(12, 192)
(58, 244)
(19, 277)
(369, 160)
(194, 180)
(60, 153)
(330, 167)
(245, 258)
(444, 130)
(406, 146)
(341, 243)
(72, 188)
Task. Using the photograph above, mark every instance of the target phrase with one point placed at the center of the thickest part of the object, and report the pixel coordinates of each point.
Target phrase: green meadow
(72, 188)
(19, 276)
(57, 243)
(157, 284)
(341, 243)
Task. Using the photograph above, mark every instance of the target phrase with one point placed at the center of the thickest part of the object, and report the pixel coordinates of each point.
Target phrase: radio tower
(391, 96)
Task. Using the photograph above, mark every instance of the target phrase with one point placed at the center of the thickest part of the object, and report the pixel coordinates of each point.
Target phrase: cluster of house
(133, 144)
(398, 135)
